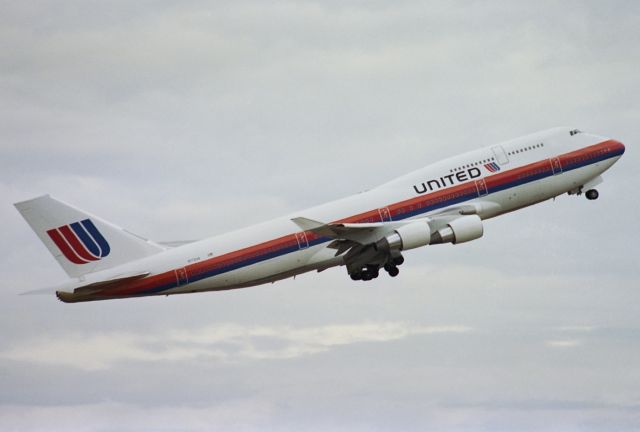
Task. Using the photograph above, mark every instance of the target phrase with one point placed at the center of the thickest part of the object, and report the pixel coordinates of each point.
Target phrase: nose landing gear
(591, 194)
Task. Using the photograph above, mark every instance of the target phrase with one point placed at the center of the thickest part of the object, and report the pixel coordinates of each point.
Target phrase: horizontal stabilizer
(106, 284)
(101, 285)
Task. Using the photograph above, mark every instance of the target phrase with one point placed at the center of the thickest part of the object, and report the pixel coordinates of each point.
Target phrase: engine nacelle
(460, 230)
(409, 236)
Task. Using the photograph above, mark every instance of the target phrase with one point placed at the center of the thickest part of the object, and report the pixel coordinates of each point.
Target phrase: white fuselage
(279, 248)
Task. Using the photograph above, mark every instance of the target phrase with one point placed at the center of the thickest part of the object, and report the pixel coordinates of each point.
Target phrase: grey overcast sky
(180, 120)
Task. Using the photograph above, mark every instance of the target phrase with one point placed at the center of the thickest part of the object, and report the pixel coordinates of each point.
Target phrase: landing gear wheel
(373, 271)
(394, 271)
(592, 194)
(398, 260)
(356, 276)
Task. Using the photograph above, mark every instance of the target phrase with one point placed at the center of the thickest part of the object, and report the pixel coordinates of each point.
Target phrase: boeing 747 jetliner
(444, 202)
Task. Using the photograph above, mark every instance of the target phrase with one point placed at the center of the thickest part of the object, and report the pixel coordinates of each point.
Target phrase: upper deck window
(574, 132)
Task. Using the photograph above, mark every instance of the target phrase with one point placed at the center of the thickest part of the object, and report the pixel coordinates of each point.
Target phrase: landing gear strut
(592, 194)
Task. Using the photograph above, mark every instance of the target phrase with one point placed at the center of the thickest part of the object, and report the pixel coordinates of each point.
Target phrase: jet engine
(460, 230)
(409, 236)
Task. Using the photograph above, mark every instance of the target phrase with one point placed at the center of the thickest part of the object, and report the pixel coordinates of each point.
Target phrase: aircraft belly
(271, 270)
(283, 264)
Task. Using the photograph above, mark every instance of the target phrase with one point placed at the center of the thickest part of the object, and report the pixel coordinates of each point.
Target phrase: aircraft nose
(618, 147)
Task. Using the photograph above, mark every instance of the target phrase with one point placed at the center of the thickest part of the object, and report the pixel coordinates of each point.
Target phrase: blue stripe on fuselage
(404, 215)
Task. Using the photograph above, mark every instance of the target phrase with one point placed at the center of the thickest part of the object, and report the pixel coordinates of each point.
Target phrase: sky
(182, 120)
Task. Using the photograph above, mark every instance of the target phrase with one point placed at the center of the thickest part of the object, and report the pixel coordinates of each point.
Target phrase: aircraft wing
(175, 243)
(480, 208)
(358, 232)
(366, 247)
(360, 243)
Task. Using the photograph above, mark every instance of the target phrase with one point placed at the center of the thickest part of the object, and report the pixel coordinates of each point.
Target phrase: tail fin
(80, 242)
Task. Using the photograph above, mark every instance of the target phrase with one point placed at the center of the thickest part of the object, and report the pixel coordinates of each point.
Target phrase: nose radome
(618, 146)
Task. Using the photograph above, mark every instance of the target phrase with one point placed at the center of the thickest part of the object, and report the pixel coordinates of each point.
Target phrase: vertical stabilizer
(81, 242)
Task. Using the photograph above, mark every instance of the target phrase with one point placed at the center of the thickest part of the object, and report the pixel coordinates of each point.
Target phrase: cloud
(225, 342)
(569, 343)
(234, 415)
(579, 328)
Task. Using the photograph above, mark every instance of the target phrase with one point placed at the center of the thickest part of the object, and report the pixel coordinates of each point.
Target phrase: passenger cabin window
(525, 149)
(472, 164)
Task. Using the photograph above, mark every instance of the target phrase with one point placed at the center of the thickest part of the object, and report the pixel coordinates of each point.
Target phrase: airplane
(445, 202)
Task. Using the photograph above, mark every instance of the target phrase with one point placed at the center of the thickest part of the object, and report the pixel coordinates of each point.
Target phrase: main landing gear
(373, 271)
(392, 270)
(592, 194)
(367, 273)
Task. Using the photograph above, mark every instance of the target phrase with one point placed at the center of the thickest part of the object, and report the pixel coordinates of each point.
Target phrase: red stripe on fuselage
(591, 152)
(396, 210)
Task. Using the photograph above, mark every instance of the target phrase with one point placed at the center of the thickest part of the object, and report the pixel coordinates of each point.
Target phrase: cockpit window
(574, 132)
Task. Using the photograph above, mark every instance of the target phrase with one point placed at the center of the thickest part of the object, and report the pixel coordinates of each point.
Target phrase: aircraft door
(385, 214)
(500, 154)
(302, 240)
(481, 187)
(181, 276)
(556, 166)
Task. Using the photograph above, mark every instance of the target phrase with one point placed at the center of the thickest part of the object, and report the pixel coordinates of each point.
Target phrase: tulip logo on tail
(80, 242)
(492, 167)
